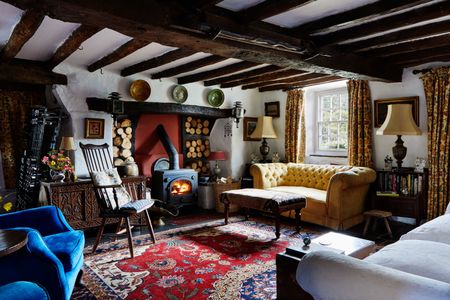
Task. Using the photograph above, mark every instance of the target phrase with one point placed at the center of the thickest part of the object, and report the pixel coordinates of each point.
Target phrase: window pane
(332, 124)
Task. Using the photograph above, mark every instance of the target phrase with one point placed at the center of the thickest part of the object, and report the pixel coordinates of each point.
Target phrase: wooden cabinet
(404, 193)
(78, 203)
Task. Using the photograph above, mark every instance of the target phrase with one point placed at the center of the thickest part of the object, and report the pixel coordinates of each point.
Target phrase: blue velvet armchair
(53, 256)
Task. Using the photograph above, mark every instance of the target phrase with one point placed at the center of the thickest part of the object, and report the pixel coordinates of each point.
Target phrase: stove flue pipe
(170, 148)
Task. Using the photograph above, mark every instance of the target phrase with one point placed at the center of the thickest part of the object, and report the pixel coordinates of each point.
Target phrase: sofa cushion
(424, 258)
(437, 230)
(311, 176)
(67, 246)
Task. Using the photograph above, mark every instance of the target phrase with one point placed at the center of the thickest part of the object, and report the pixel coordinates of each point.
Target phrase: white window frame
(327, 152)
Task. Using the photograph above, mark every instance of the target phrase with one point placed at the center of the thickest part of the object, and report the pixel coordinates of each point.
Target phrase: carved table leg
(277, 224)
(297, 220)
(226, 204)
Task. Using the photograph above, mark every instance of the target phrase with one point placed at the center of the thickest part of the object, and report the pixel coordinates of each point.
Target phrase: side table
(11, 241)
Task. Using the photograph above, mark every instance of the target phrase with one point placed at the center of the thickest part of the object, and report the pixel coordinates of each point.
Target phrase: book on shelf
(387, 193)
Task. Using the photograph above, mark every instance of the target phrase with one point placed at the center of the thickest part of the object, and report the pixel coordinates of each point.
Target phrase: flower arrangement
(57, 161)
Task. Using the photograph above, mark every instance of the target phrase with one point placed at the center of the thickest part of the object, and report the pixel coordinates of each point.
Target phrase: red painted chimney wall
(148, 147)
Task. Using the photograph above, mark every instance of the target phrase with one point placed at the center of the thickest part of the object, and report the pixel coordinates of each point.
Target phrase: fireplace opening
(181, 187)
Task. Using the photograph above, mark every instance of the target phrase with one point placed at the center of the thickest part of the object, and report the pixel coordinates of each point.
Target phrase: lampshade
(264, 129)
(217, 155)
(67, 143)
(399, 121)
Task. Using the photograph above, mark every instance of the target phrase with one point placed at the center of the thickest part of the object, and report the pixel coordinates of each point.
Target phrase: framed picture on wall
(381, 107)
(249, 127)
(272, 109)
(94, 128)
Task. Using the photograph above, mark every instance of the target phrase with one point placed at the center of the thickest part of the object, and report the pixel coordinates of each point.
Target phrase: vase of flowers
(60, 166)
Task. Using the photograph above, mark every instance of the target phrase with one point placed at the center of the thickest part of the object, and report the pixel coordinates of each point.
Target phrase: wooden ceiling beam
(217, 72)
(72, 43)
(124, 50)
(247, 74)
(399, 36)
(301, 84)
(283, 80)
(394, 50)
(269, 8)
(433, 57)
(153, 21)
(261, 78)
(156, 61)
(23, 31)
(420, 55)
(190, 66)
(204, 3)
(355, 16)
(440, 9)
(30, 72)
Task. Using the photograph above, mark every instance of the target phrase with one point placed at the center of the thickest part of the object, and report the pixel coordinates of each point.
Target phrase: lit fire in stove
(181, 187)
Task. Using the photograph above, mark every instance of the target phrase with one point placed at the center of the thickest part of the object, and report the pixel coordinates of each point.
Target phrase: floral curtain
(14, 114)
(359, 124)
(294, 145)
(437, 94)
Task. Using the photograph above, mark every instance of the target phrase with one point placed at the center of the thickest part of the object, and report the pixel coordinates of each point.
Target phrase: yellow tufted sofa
(335, 195)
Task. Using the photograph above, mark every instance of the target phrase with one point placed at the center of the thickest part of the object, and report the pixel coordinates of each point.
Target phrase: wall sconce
(237, 112)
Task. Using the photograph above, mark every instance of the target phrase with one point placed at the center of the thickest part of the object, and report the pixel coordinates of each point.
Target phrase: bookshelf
(402, 192)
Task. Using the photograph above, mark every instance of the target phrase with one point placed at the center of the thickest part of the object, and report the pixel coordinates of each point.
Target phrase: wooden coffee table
(11, 241)
(287, 286)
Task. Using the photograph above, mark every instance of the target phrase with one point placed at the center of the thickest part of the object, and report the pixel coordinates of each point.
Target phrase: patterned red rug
(236, 261)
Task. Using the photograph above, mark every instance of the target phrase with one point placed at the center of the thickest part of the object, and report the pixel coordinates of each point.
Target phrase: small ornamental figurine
(420, 164)
(388, 163)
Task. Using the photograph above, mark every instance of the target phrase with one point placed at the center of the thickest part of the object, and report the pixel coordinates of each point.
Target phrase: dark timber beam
(23, 31)
(301, 84)
(283, 80)
(396, 37)
(356, 16)
(72, 43)
(138, 108)
(124, 50)
(420, 55)
(261, 78)
(153, 21)
(217, 72)
(429, 43)
(440, 9)
(24, 71)
(156, 61)
(268, 9)
(190, 66)
(247, 74)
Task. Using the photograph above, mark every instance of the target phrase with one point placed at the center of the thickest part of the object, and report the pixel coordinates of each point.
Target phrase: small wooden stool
(378, 214)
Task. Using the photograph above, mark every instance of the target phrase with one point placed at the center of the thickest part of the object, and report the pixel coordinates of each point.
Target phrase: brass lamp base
(399, 151)
(264, 150)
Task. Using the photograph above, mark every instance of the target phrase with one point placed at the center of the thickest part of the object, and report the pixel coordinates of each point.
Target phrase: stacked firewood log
(197, 148)
(122, 135)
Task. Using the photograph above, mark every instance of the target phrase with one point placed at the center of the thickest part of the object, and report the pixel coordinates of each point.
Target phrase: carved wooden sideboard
(78, 203)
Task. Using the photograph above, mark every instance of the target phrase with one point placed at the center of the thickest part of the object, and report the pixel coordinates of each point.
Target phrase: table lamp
(399, 121)
(264, 130)
(67, 143)
(217, 155)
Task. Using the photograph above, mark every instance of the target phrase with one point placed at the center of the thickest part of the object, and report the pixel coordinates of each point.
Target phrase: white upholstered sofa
(415, 267)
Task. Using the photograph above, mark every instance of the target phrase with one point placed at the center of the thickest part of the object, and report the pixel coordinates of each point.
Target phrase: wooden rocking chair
(113, 199)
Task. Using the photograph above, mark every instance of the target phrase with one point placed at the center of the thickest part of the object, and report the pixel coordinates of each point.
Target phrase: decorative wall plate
(216, 98)
(140, 90)
(179, 93)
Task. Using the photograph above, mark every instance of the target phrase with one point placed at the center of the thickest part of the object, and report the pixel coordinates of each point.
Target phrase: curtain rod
(420, 71)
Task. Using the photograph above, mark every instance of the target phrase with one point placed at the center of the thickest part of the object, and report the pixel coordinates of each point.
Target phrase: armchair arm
(353, 177)
(320, 273)
(45, 219)
(267, 175)
(35, 263)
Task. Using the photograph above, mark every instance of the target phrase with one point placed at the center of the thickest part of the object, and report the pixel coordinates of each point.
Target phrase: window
(332, 120)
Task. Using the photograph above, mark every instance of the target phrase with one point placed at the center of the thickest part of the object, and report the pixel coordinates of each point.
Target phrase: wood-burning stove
(174, 186)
